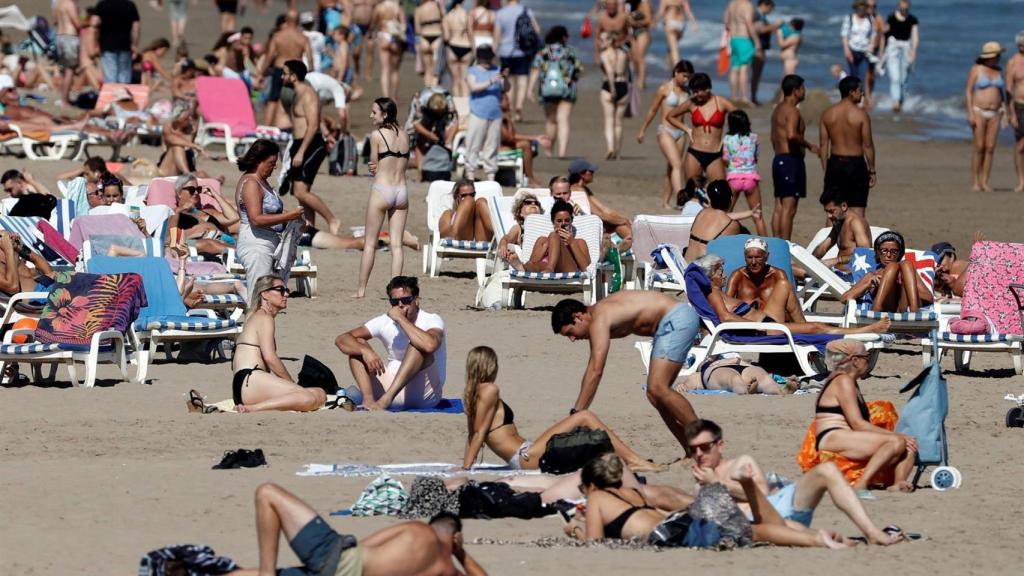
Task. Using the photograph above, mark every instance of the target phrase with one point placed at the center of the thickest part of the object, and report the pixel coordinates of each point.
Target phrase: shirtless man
(847, 147)
(308, 148)
(739, 22)
(67, 17)
(849, 231)
(673, 325)
(288, 43)
(758, 280)
(1015, 88)
(362, 15)
(15, 276)
(789, 173)
(404, 549)
(795, 502)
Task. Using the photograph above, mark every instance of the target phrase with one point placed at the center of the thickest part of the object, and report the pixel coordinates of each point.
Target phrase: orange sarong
(883, 415)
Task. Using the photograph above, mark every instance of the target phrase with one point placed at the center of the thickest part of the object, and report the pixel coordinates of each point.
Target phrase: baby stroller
(924, 417)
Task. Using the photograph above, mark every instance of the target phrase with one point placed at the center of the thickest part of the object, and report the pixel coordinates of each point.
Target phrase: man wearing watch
(847, 147)
(673, 325)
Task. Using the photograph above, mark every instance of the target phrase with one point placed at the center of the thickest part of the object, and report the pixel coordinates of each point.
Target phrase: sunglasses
(467, 195)
(192, 189)
(405, 300)
(111, 182)
(889, 251)
(279, 289)
(705, 447)
(531, 203)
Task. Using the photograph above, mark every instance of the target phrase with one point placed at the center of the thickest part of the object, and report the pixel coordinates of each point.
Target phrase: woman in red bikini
(707, 115)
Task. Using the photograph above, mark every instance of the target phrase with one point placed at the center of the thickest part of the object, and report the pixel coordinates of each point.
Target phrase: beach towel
(439, 469)
(994, 266)
(385, 496)
(185, 559)
(56, 241)
(445, 406)
(698, 285)
(80, 305)
(85, 227)
(883, 415)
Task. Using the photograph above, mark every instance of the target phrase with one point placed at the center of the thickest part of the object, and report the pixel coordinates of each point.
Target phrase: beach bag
(714, 510)
(344, 159)
(385, 496)
(970, 322)
(527, 38)
(554, 84)
(569, 451)
(488, 500)
(316, 374)
(39, 205)
(672, 531)
(437, 159)
(587, 29)
(428, 497)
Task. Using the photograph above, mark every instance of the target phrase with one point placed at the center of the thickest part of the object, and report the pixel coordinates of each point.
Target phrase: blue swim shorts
(782, 501)
(676, 334)
(741, 52)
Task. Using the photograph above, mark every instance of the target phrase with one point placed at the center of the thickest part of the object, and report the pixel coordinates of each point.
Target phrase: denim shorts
(782, 501)
(676, 334)
(320, 548)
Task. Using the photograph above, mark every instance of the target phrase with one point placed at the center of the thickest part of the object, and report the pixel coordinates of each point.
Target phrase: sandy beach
(91, 479)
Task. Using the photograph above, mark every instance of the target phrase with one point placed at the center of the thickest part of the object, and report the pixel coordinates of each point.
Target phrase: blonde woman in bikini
(986, 90)
(389, 156)
(674, 14)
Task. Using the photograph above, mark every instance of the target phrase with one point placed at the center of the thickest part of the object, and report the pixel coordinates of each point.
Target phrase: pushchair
(924, 417)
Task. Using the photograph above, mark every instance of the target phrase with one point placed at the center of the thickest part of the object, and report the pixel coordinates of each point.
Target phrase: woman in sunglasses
(895, 285)
(261, 381)
(524, 205)
(468, 218)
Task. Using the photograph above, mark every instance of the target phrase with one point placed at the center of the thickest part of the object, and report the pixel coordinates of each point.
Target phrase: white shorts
(422, 391)
(516, 462)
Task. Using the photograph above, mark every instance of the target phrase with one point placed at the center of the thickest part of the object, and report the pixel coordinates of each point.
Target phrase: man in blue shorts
(408, 548)
(674, 326)
(789, 174)
(794, 501)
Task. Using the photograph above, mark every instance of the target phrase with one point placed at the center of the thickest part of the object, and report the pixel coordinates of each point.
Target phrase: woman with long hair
(986, 91)
(468, 218)
(671, 140)
(261, 381)
(389, 155)
(640, 19)
(261, 212)
(558, 69)
(707, 115)
(491, 422)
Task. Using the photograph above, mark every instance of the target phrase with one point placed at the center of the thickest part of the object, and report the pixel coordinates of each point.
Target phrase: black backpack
(569, 451)
(488, 500)
(526, 37)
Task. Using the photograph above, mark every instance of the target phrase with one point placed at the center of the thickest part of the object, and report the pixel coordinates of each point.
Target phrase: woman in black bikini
(844, 425)
(737, 376)
(707, 115)
(460, 47)
(614, 511)
(716, 220)
(428, 21)
(261, 381)
(491, 421)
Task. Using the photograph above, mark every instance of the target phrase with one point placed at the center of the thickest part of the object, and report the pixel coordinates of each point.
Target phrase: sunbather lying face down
(758, 281)
(895, 285)
(737, 376)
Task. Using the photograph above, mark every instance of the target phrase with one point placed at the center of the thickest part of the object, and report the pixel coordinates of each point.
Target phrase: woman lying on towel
(468, 218)
(729, 309)
(492, 422)
(524, 205)
(261, 380)
(895, 285)
(736, 376)
(559, 251)
(844, 426)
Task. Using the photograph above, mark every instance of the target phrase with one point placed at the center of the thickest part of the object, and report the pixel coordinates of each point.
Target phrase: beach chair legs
(73, 373)
(1018, 362)
(481, 271)
(426, 257)
(433, 263)
(962, 360)
(142, 356)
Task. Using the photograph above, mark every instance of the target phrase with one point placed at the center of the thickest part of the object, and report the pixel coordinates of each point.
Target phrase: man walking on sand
(739, 22)
(67, 17)
(789, 173)
(288, 43)
(308, 148)
(847, 147)
(673, 325)
(119, 38)
(1015, 88)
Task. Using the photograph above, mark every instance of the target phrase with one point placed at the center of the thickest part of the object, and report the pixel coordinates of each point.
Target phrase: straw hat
(991, 50)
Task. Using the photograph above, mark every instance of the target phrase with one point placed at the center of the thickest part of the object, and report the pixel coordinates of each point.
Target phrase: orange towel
(883, 415)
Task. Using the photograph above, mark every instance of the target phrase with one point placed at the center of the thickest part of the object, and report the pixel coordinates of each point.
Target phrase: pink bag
(969, 322)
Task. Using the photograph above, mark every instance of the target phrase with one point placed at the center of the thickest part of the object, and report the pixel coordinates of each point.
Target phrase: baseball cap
(581, 165)
(306, 18)
(942, 248)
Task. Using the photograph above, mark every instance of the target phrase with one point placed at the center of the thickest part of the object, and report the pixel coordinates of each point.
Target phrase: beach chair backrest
(161, 191)
(730, 248)
(6, 204)
(226, 101)
(649, 231)
(439, 199)
(500, 208)
(110, 224)
(136, 195)
(994, 266)
(538, 192)
(821, 234)
(139, 92)
(487, 188)
(116, 208)
(161, 290)
(156, 218)
(96, 302)
(588, 228)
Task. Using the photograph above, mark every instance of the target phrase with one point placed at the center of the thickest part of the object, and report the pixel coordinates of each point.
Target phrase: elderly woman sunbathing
(729, 309)
(524, 205)
(492, 422)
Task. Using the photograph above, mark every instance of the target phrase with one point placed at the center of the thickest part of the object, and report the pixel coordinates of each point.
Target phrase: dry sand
(92, 479)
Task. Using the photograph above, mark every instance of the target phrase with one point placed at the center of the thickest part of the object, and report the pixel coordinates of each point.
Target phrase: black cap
(942, 248)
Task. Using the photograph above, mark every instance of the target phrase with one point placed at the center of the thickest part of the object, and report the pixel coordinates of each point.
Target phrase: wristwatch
(573, 410)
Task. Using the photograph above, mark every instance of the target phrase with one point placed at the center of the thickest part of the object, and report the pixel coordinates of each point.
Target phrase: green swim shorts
(741, 52)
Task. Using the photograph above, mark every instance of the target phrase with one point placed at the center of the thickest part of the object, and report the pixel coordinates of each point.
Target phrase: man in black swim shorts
(228, 9)
(847, 147)
(789, 174)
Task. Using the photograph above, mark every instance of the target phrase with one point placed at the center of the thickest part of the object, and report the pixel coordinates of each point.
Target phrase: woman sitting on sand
(895, 285)
(715, 220)
(492, 422)
(261, 381)
(729, 309)
(468, 218)
(843, 421)
(560, 251)
(524, 205)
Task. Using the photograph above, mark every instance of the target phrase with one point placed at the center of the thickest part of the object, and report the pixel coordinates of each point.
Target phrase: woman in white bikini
(675, 13)
(986, 92)
(388, 26)
(481, 23)
(670, 139)
(389, 155)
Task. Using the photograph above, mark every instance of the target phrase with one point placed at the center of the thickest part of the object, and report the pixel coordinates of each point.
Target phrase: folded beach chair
(920, 322)
(165, 319)
(515, 283)
(27, 227)
(50, 145)
(649, 232)
(85, 319)
(823, 283)
(439, 199)
(228, 118)
(994, 291)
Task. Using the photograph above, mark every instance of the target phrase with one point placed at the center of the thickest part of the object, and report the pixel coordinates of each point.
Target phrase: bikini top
(984, 82)
(509, 418)
(389, 153)
(703, 241)
(717, 120)
(614, 528)
(673, 99)
(865, 413)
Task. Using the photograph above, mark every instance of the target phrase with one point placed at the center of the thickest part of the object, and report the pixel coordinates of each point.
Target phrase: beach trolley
(924, 417)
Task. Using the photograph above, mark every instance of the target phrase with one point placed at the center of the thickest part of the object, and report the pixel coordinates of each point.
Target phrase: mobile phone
(567, 515)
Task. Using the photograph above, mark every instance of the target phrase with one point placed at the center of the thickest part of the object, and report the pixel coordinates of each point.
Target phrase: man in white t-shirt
(329, 89)
(413, 374)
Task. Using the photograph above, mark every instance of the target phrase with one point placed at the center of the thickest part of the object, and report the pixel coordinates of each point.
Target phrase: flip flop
(894, 530)
(195, 403)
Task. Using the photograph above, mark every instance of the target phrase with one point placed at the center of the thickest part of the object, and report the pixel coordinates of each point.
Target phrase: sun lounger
(228, 118)
(439, 199)
(648, 233)
(50, 145)
(919, 322)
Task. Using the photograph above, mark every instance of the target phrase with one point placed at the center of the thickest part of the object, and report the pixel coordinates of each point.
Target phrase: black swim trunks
(311, 160)
(275, 77)
(847, 176)
(227, 6)
(789, 176)
(308, 233)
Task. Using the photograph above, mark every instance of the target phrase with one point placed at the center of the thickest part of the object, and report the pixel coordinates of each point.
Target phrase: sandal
(195, 402)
